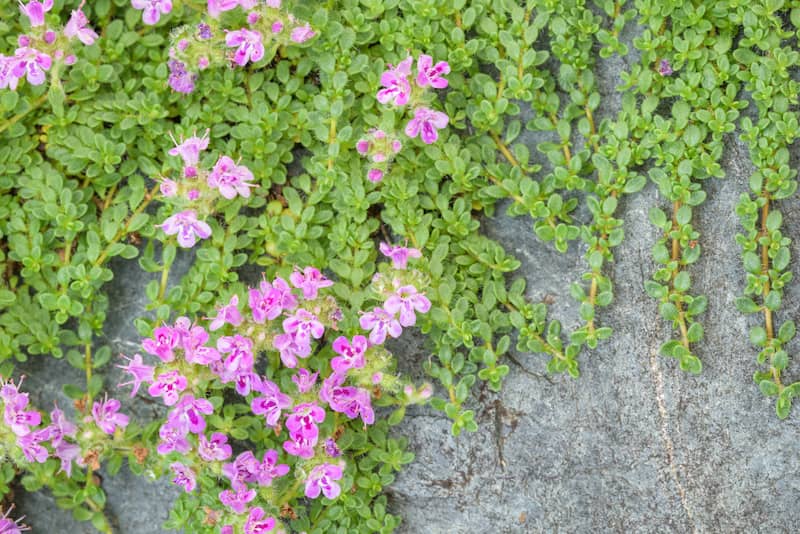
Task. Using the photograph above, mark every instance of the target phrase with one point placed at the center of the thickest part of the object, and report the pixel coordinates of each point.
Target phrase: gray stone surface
(634, 445)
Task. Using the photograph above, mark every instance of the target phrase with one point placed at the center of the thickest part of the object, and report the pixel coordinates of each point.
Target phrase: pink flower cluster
(286, 317)
(380, 148)
(41, 47)
(398, 90)
(195, 49)
(25, 423)
(226, 178)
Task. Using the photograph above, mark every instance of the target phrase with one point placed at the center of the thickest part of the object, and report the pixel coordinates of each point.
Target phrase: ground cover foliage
(299, 151)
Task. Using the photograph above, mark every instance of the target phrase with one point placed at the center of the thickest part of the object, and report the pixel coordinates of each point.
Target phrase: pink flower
(269, 301)
(257, 522)
(304, 323)
(215, 449)
(301, 34)
(231, 179)
(31, 63)
(381, 323)
(9, 526)
(77, 27)
(138, 370)
(153, 9)
(60, 427)
(216, 7)
(173, 438)
(351, 355)
(310, 281)
(227, 314)
(164, 340)
(348, 400)
(263, 473)
(35, 11)
(107, 417)
(188, 228)
(430, 74)
(239, 359)
(301, 446)
(237, 501)
(189, 149)
(67, 452)
(250, 46)
(184, 477)
(375, 175)
(188, 414)
(425, 123)
(17, 418)
(169, 386)
(32, 448)
(292, 346)
(322, 478)
(303, 420)
(398, 254)
(304, 380)
(395, 83)
(406, 300)
(7, 77)
(271, 403)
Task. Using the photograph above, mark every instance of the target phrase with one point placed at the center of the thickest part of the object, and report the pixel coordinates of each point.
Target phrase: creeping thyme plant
(346, 150)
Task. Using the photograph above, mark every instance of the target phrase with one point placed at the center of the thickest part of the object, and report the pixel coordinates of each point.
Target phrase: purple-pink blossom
(139, 372)
(164, 340)
(303, 420)
(406, 300)
(60, 427)
(258, 522)
(152, 9)
(269, 301)
(301, 34)
(214, 449)
(10, 526)
(271, 403)
(189, 149)
(106, 415)
(430, 74)
(168, 386)
(17, 418)
(399, 254)
(304, 380)
(265, 472)
(227, 314)
(351, 355)
(380, 323)
(349, 400)
(231, 179)
(32, 448)
(237, 501)
(250, 47)
(322, 479)
(292, 346)
(77, 26)
(425, 123)
(396, 87)
(216, 7)
(35, 11)
(310, 281)
(181, 80)
(67, 453)
(188, 228)
(32, 64)
(184, 477)
(188, 414)
(173, 438)
(305, 324)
